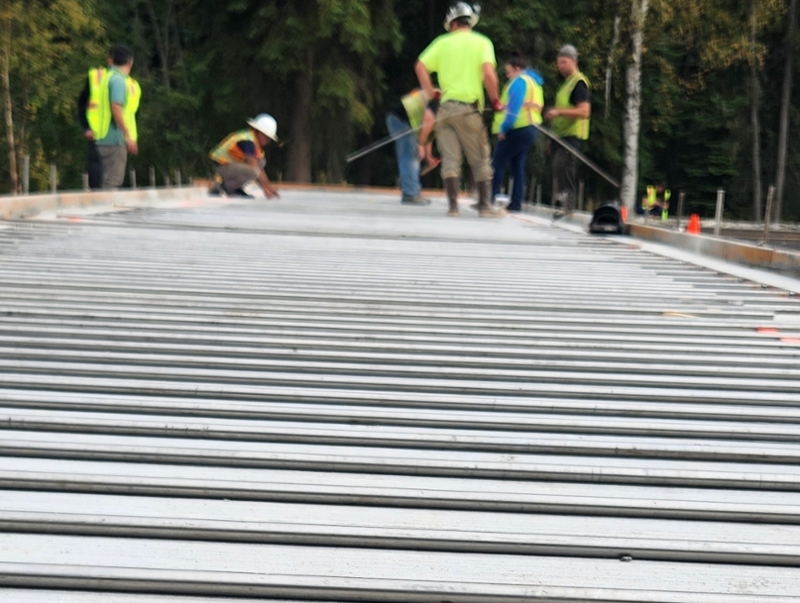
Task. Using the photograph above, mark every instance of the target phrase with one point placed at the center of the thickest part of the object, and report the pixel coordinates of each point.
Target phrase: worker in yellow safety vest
(570, 119)
(414, 113)
(515, 126)
(656, 201)
(239, 159)
(107, 111)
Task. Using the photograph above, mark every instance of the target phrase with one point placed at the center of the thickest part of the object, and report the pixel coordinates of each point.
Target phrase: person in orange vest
(239, 159)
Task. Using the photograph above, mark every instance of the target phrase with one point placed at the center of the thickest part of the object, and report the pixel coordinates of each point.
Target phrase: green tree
(44, 44)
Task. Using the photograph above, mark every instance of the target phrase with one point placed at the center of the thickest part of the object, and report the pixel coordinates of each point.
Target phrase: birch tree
(783, 128)
(632, 121)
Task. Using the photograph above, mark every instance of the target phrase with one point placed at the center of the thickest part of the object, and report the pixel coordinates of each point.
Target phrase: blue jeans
(513, 149)
(406, 149)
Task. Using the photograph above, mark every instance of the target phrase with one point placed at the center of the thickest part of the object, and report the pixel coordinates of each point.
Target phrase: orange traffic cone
(694, 224)
(623, 213)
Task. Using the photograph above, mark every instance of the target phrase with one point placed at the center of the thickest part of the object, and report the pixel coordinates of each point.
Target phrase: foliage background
(329, 70)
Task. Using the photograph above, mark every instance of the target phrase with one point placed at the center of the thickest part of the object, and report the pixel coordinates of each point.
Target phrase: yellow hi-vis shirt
(458, 58)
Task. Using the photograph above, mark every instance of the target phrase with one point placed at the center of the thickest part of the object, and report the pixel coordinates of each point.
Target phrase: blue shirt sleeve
(516, 98)
(116, 89)
(247, 147)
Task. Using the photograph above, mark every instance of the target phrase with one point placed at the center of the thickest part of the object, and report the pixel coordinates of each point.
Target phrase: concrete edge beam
(20, 207)
(735, 252)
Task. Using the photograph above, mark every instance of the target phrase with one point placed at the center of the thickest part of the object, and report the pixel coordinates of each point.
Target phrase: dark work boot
(451, 186)
(485, 207)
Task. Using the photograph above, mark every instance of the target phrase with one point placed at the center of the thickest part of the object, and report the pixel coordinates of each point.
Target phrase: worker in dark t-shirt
(570, 119)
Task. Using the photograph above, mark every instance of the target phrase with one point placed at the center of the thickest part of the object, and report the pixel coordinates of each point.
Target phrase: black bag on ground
(607, 219)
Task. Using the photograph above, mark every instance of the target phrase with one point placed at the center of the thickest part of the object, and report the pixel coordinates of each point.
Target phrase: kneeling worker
(239, 159)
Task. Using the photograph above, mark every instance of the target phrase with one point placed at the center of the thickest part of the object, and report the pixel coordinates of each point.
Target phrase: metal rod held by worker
(397, 136)
(768, 214)
(681, 198)
(588, 162)
(152, 177)
(133, 179)
(720, 208)
(178, 178)
(85, 181)
(390, 139)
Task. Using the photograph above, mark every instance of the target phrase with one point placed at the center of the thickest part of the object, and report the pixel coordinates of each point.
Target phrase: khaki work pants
(460, 129)
(238, 175)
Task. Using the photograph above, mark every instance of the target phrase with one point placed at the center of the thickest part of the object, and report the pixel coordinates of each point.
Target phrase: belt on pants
(474, 105)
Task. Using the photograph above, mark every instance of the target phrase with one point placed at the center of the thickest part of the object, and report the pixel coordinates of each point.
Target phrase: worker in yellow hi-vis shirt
(465, 64)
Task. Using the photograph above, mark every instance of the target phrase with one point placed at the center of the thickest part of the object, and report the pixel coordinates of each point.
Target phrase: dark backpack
(607, 219)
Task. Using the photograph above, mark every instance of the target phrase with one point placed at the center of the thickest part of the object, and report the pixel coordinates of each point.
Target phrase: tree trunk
(783, 131)
(9, 112)
(755, 108)
(162, 40)
(300, 147)
(610, 63)
(632, 123)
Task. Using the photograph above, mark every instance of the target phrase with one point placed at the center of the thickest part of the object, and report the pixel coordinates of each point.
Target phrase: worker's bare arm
(490, 83)
(424, 79)
(119, 118)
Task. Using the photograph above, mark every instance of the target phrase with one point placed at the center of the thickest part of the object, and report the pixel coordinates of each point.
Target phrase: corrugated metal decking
(334, 397)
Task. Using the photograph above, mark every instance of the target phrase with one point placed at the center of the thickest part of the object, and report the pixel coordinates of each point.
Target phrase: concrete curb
(735, 252)
(15, 208)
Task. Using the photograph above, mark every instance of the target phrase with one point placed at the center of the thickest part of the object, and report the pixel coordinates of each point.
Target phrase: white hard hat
(462, 9)
(265, 124)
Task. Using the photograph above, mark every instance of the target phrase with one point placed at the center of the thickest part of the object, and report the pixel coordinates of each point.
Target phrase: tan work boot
(451, 186)
(485, 207)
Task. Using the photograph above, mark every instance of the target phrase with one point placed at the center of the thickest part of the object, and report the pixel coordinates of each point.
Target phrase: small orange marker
(791, 340)
(768, 330)
(694, 224)
(623, 212)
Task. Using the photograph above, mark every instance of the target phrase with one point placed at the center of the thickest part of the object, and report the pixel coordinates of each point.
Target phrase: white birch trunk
(755, 108)
(783, 128)
(632, 123)
(610, 63)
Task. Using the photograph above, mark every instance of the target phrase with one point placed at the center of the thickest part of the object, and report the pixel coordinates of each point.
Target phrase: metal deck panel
(356, 574)
(408, 377)
(765, 506)
(407, 529)
(717, 422)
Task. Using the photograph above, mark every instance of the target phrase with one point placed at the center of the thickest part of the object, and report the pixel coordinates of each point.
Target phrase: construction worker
(523, 99)
(107, 111)
(570, 118)
(239, 159)
(656, 201)
(403, 123)
(465, 63)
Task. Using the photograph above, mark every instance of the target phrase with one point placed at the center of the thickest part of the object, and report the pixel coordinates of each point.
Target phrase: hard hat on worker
(265, 124)
(462, 9)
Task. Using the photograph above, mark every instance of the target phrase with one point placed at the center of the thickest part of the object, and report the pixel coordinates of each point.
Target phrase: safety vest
(531, 111)
(415, 104)
(98, 109)
(228, 151)
(567, 127)
(652, 197)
